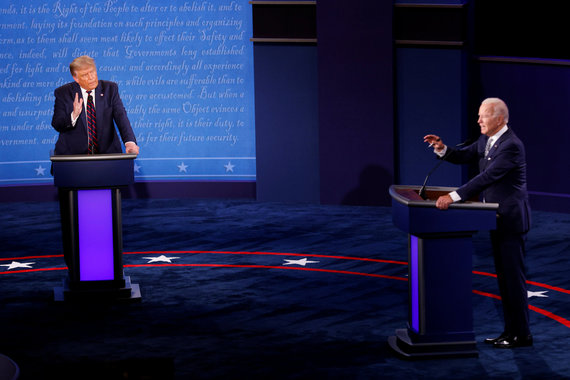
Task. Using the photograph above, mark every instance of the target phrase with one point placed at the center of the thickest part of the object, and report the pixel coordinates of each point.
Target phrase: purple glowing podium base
(440, 247)
(90, 204)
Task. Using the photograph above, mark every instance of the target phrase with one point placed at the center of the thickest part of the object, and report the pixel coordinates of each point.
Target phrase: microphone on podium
(422, 192)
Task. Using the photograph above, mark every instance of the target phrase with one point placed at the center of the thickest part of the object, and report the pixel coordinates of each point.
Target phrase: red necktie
(91, 125)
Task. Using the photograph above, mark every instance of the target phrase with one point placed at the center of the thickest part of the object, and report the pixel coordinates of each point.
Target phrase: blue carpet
(239, 289)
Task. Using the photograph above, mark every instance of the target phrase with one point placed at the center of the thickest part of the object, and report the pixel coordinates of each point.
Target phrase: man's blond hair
(80, 63)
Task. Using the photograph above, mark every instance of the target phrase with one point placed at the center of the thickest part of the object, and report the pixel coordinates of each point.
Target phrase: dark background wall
(345, 92)
(287, 133)
(324, 110)
(450, 57)
(388, 73)
(356, 129)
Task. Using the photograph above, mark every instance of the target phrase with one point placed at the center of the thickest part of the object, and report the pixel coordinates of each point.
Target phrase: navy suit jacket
(501, 179)
(109, 111)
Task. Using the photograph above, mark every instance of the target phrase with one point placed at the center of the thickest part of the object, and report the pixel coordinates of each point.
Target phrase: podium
(90, 204)
(440, 247)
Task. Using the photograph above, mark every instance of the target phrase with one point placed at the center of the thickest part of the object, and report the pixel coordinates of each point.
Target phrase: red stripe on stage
(269, 267)
(272, 253)
(487, 294)
(555, 288)
(30, 257)
(484, 274)
(33, 270)
(539, 284)
(542, 285)
(546, 313)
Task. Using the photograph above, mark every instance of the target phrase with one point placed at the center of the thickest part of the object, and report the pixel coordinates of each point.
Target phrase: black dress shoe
(514, 341)
(493, 340)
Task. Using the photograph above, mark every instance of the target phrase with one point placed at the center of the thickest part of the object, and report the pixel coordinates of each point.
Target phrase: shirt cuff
(454, 196)
(442, 152)
(73, 120)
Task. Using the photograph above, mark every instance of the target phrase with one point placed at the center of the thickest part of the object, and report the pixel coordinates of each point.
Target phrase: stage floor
(241, 289)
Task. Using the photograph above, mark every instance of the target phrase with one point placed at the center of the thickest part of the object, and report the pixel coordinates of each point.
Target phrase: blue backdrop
(185, 71)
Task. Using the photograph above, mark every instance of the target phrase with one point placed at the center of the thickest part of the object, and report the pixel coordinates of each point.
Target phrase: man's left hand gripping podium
(89, 189)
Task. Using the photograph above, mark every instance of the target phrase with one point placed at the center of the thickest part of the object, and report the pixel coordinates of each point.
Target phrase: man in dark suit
(502, 180)
(73, 102)
(69, 113)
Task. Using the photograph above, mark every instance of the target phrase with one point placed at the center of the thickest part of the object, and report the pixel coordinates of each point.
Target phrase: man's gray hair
(499, 107)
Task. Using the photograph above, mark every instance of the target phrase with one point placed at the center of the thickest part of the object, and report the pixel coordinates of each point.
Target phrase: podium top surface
(93, 171)
(92, 157)
(408, 196)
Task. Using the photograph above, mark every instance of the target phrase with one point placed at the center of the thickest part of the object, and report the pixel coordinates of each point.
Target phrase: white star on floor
(182, 167)
(160, 259)
(537, 294)
(16, 264)
(301, 262)
(229, 167)
(40, 170)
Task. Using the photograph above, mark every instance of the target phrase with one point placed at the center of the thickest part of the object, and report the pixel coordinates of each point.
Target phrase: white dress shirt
(84, 95)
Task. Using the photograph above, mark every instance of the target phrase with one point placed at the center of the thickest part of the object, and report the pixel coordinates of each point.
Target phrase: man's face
(87, 77)
(489, 123)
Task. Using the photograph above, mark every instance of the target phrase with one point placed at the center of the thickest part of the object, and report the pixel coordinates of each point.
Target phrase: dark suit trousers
(508, 253)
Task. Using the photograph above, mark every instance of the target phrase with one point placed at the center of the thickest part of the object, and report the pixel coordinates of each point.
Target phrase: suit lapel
(98, 101)
(494, 149)
(498, 143)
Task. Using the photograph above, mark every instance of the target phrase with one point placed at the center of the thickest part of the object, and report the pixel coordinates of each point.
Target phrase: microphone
(466, 142)
(422, 192)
